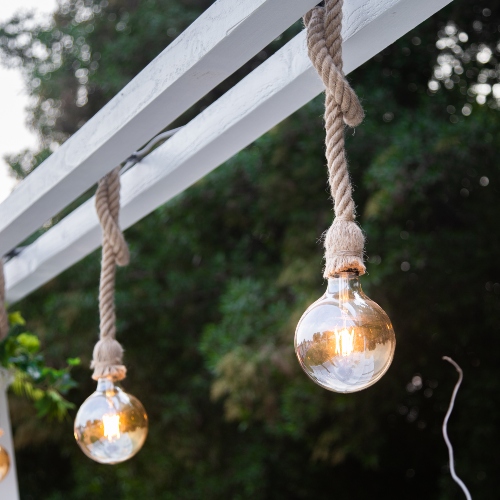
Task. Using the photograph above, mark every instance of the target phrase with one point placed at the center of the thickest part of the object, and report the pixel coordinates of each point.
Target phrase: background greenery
(221, 274)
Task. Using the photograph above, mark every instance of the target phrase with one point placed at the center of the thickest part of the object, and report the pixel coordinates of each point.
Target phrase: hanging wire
(13, 253)
(141, 153)
(445, 429)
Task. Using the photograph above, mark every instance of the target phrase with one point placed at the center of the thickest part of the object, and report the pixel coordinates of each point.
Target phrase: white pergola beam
(273, 91)
(219, 42)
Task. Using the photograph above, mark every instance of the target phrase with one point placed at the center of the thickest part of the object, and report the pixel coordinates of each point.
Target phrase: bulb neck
(105, 384)
(343, 282)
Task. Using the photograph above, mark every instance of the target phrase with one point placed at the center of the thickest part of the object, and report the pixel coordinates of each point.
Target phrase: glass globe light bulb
(111, 425)
(344, 341)
(4, 463)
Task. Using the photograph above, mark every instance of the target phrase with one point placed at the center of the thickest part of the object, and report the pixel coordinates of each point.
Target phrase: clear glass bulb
(111, 425)
(344, 341)
(4, 463)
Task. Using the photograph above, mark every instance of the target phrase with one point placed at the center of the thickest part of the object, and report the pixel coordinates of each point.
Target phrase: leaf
(22, 385)
(53, 405)
(29, 341)
(73, 361)
(34, 380)
(15, 318)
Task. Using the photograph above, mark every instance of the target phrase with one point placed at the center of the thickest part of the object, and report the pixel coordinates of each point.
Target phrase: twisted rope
(344, 241)
(108, 353)
(4, 317)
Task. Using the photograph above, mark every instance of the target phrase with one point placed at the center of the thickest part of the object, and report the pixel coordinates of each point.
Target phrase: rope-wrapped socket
(107, 360)
(344, 246)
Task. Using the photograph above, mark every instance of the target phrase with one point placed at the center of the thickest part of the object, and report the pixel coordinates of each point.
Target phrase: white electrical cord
(445, 431)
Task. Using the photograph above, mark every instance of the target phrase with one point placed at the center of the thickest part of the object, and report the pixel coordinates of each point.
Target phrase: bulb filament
(111, 422)
(344, 342)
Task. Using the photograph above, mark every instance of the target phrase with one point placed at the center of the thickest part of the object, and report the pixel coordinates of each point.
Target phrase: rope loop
(344, 241)
(327, 59)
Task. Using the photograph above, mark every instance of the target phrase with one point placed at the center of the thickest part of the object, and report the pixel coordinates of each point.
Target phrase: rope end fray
(107, 360)
(344, 247)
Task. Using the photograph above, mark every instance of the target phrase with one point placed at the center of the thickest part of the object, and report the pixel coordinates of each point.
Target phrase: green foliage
(45, 386)
(252, 313)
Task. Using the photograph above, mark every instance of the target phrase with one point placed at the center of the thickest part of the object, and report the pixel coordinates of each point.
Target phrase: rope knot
(324, 44)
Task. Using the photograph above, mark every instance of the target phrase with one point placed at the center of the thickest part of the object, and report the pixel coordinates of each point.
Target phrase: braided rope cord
(344, 241)
(108, 353)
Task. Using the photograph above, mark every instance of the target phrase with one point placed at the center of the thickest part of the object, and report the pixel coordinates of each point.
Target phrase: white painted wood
(8, 487)
(277, 88)
(220, 41)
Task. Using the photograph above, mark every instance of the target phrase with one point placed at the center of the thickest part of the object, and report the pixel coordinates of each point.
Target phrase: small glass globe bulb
(4, 463)
(111, 425)
(344, 341)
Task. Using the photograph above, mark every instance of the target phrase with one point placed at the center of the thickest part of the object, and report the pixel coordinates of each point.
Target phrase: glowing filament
(111, 423)
(344, 342)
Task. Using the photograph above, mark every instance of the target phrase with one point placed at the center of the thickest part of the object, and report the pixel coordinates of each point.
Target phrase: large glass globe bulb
(344, 341)
(111, 425)
(4, 463)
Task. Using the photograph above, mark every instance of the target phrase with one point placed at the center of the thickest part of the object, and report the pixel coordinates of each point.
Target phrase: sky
(14, 134)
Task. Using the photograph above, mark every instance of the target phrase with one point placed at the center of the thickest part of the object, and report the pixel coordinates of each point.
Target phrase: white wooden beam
(220, 41)
(273, 91)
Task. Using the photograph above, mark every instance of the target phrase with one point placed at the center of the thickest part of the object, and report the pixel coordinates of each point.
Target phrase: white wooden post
(8, 487)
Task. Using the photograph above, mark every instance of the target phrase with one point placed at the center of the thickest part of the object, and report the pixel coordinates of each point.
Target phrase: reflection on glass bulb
(111, 425)
(4, 463)
(111, 422)
(344, 341)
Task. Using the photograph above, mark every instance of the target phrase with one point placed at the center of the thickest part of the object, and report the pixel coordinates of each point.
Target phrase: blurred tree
(208, 307)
